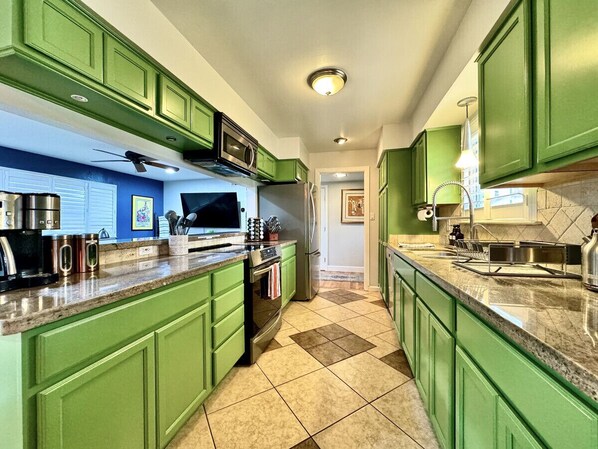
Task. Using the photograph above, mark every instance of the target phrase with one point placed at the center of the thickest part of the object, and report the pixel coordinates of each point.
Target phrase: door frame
(366, 228)
(324, 227)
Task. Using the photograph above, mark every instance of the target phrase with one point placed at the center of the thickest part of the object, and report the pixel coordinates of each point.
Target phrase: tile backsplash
(565, 212)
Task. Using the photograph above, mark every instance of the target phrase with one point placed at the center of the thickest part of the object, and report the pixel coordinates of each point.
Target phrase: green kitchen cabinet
(174, 102)
(383, 172)
(566, 78)
(292, 280)
(408, 312)
(129, 74)
(202, 121)
(511, 432)
(382, 272)
(60, 31)
(266, 164)
(288, 273)
(434, 154)
(290, 170)
(396, 312)
(476, 402)
(301, 172)
(183, 370)
(383, 215)
(107, 405)
(422, 351)
(285, 282)
(505, 92)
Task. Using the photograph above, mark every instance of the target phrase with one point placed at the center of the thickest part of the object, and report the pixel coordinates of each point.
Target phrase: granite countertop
(556, 320)
(23, 309)
(111, 244)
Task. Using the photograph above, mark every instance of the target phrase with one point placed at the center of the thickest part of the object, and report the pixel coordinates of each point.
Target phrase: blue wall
(127, 185)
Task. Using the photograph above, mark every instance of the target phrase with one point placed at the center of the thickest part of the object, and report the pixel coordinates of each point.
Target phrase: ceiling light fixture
(171, 170)
(327, 81)
(340, 175)
(340, 140)
(79, 98)
(467, 159)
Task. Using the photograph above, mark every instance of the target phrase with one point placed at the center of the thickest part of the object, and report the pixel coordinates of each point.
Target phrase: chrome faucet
(436, 218)
(480, 225)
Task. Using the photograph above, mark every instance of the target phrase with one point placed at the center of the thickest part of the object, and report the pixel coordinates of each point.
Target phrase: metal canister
(59, 254)
(88, 252)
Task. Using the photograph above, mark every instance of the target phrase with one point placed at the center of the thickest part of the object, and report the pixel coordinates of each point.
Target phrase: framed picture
(353, 206)
(142, 213)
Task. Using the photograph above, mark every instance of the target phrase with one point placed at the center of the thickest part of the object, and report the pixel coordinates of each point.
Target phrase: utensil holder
(178, 245)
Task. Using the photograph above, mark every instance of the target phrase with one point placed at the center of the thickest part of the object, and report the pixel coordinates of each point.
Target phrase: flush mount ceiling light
(467, 159)
(340, 175)
(327, 81)
(340, 140)
(79, 98)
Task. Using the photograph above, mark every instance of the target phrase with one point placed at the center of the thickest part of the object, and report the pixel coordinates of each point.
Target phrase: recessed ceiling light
(327, 81)
(171, 170)
(340, 140)
(340, 175)
(79, 98)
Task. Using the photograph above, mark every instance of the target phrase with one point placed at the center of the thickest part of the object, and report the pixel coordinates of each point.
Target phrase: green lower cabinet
(183, 368)
(511, 432)
(285, 285)
(476, 401)
(422, 351)
(108, 405)
(408, 312)
(396, 312)
(229, 353)
(292, 277)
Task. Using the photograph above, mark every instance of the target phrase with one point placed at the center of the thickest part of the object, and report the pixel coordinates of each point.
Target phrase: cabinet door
(383, 172)
(183, 369)
(292, 277)
(382, 272)
(408, 311)
(129, 74)
(202, 121)
(174, 103)
(505, 99)
(441, 400)
(66, 35)
(397, 315)
(422, 351)
(108, 405)
(511, 432)
(566, 77)
(383, 215)
(476, 401)
(285, 282)
(419, 180)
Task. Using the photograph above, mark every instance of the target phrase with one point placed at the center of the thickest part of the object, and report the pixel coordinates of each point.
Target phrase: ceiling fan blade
(162, 166)
(139, 167)
(131, 155)
(108, 152)
(113, 160)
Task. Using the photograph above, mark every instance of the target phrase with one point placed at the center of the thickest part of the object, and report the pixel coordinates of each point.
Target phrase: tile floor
(334, 377)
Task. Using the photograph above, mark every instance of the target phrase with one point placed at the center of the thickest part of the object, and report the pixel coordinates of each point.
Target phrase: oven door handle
(260, 272)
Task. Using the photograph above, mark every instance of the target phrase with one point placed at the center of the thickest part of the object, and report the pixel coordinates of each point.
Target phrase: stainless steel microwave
(234, 152)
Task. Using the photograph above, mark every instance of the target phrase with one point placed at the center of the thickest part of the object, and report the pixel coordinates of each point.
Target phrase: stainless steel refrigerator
(296, 207)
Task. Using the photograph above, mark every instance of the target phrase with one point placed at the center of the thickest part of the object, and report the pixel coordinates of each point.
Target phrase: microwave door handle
(252, 156)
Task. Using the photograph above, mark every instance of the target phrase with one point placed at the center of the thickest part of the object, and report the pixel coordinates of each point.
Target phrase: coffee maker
(22, 219)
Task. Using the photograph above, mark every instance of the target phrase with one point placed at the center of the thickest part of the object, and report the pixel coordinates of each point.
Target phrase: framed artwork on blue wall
(142, 213)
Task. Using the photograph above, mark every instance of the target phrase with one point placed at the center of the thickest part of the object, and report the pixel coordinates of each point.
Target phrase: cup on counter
(178, 245)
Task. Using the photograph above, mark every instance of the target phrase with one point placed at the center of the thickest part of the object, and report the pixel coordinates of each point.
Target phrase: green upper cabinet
(266, 164)
(383, 215)
(60, 31)
(566, 77)
(511, 432)
(129, 74)
(383, 172)
(505, 93)
(174, 102)
(183, 370)
(290, 170)
(433, 157)
(202, 121)
(107, 405)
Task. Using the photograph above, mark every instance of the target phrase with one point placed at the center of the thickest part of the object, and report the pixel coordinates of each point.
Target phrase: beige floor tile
(308, 320)
(405, 408)
(364, 327)
(320, 399)
(195, 434)
(287, 363)
(282, 336)
(381, 316)
(317, 303)
(241, 383)
(261, 422)
(390, 337)
(284, 325)
(362, 307)
(382, 347)
(367, 375)
(364, 429)
(337, 313)
(293, 308)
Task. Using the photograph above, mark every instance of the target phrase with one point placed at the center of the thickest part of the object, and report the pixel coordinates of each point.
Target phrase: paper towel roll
(424, 214)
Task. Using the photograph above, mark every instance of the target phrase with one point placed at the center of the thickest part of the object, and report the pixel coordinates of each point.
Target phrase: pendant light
(467, 159)
(327, 81)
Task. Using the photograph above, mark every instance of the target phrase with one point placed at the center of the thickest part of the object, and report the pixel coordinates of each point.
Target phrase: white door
(324, 227)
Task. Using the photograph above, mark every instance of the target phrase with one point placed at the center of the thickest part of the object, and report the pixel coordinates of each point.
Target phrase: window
(85, 206)
(509, 204)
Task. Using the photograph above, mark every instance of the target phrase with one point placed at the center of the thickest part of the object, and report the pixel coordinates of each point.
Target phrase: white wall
(357, 158)
(345, 240)
(247, 196)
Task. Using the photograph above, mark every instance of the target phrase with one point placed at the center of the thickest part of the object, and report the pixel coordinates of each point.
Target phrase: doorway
(344, 228)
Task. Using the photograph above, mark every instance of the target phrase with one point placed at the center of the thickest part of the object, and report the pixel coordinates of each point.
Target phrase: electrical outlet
(147, 251)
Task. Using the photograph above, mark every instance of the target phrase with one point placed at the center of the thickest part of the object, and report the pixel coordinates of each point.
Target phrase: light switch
(372, 216)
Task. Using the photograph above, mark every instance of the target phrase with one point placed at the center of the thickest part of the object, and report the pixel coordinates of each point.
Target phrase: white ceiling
(265, 49)
(327, 178)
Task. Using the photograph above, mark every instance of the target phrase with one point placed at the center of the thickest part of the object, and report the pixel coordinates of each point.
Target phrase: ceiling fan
(139, 161)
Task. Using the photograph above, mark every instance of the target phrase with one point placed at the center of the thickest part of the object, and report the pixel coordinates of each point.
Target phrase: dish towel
(274, 284)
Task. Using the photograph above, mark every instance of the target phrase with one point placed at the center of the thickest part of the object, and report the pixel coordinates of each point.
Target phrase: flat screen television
(213, 209)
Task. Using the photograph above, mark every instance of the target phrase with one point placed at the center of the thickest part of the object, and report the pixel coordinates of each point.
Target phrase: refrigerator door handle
(313, 217)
